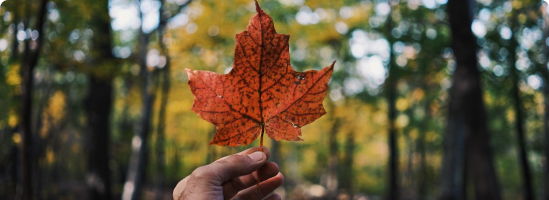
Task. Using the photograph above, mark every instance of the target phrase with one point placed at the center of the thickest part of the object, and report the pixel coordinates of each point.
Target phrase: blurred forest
(430, 99)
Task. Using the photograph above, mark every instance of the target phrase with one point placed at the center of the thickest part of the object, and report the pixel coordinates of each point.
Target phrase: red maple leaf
(262, 93)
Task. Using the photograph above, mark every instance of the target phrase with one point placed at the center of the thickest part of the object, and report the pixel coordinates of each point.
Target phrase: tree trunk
(13, 155)
(138, 161)
(333, 158)
(30, 59)
(423, 128)
(422, 178)
(393, 191)
(42, 91)
(523, 159)
(545, 184)
(545, 71)
(348, 160)
(160, 155)
(98, 108)
(467, 139)
(519, 125)
(410, 149)
(98, 105)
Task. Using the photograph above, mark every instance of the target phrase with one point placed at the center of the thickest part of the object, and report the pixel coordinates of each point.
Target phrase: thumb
(234, 166)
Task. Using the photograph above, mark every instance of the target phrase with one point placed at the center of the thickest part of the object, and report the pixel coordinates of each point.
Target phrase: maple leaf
(262, 93)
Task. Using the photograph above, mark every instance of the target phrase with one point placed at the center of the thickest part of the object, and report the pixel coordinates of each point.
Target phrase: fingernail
(257, 156)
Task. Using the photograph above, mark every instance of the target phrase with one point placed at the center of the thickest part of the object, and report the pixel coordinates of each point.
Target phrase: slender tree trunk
(333, 158)
(13, 168)
(467, 130)
(545, 184)
(422, 176)
(519, 125)
(43, 91)
(138, 161)
(160, 155)
(26, 192)
(98, 105)
(348, 160)
(30, 59)
(423, 76)
(545, 71)
(13, 155)
(393, 192)
(407, 179)
(523, 159)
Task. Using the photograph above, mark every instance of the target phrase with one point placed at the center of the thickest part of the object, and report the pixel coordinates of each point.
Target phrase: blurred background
(430, 99)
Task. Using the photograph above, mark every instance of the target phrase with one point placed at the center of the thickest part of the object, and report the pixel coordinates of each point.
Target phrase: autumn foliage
(262, 93)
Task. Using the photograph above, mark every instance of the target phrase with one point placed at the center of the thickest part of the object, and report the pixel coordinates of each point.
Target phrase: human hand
(233, 176)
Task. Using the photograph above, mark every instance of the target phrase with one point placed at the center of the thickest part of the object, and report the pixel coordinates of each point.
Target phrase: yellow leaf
(16, 138)
(13, 77)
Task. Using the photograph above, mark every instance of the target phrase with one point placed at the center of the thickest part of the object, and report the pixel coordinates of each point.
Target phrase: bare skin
(233, 177)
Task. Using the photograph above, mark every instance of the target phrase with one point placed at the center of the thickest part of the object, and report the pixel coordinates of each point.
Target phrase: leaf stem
(261, 140)
(260, 149)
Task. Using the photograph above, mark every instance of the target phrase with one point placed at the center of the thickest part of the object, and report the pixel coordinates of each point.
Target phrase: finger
(179, 188)
(265, 188)
(250, 151)
(233, 166)
(235, 185)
